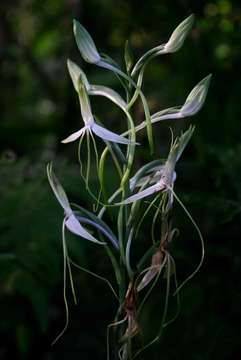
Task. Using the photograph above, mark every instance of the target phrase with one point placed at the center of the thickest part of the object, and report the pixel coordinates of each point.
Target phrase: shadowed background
(39, 107)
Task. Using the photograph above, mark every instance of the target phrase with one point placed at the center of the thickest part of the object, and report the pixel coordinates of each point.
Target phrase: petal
(196, 98)
(183, 141)
(109, 135)
(146, 169)
(179, 35)
(108, 93)
(58, 189)
(147, 278)
(142, 194)
(85, 43)
(174, 43)
(166, 113)
(74, 226)
(75, 73)
(74, 136)
(101, 226)
(128, 56)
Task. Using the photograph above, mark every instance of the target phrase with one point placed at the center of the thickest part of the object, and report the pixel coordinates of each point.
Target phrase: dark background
(39, 108)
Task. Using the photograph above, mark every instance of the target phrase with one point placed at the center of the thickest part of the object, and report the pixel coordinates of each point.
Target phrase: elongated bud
(128, 56)
(179, 35)
(196, 98)
(85, 44)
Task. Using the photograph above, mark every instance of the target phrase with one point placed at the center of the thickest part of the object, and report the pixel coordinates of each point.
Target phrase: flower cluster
(147, 192)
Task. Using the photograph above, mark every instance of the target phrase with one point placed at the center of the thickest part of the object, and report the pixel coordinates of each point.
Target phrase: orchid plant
(147, 192)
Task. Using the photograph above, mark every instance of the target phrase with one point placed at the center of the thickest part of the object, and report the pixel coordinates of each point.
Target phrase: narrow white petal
(108, 93)
(85, 44)
(196, 98)
(58, 189)
(179, 35)
(142, 194)
(109, 135)
(74, 226)
(75, 72)
(147, 278)
(74, 136)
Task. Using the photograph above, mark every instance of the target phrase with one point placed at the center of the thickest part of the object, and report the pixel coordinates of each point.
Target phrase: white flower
(73, 219)
(163, 176)
(82, 86)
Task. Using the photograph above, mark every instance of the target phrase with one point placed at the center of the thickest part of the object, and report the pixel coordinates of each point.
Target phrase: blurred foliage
(39, 108)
